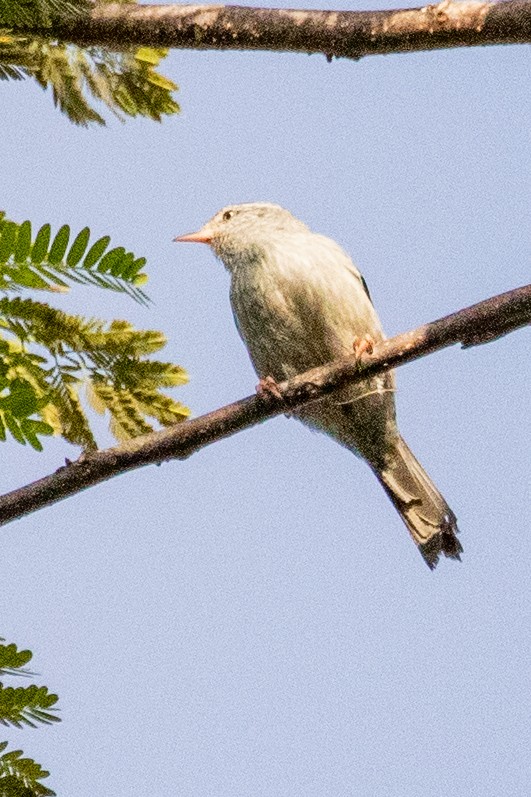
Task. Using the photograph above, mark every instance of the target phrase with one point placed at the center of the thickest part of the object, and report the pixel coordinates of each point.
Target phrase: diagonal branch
(477, 324)
(344, 34)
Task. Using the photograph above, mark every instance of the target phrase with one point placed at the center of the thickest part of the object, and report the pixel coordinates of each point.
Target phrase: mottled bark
(345, 34)
(480, 323)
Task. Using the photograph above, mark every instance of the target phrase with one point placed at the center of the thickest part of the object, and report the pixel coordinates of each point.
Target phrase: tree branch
(345, 34)
(477, 324)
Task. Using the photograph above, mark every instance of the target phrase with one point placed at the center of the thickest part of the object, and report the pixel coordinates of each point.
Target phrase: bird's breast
(298, 312)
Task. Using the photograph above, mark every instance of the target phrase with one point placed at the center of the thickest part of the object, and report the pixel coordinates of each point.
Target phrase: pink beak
(198, 237)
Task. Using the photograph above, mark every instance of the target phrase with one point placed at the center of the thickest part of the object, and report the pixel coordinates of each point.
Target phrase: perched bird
(299, 302)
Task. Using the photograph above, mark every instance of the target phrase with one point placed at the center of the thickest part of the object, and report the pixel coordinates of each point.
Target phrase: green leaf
(23, 246)
(12, 659)
(126, 82)
(40, 427)
(29, 279)
(24, 705)
(8, 240)
(59, 245)
(31, 428)
(38, 13)
(13, 426)
(149, 55)
(162, 82)
(119, 267)
(21, 401)
(46, 355)
(111, 259)
(124, 100)
(132, 270)
(33, 440)
(40, 247)
(21, 776)
(50, 271)
(53, 279)
(78, 248)
(96, 251)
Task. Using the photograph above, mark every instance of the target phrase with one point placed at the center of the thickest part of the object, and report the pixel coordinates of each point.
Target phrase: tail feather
(429, 519)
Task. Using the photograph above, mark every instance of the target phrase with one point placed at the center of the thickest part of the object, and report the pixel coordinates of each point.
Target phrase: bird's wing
(366, 288)
(349, 265)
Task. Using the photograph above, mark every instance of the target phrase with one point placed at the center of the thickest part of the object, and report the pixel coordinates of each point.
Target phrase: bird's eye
(228, 215)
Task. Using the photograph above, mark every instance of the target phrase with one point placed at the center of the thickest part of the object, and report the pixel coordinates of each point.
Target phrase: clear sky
(255, 622)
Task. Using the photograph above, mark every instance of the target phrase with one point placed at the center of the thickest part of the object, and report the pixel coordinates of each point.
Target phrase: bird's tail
(429, 519)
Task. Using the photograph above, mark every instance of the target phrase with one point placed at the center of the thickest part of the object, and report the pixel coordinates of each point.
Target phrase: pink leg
(364, 345)
(268, 385)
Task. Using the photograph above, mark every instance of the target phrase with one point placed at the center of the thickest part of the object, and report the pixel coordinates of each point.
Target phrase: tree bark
(477, 324)
(343, 34)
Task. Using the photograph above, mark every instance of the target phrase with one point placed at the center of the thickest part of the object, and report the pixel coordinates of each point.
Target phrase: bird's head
(239, 234)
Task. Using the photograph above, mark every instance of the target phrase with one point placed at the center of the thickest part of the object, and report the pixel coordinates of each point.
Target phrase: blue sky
(256, 621)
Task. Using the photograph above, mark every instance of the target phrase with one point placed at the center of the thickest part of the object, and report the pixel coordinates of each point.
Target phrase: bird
(299, 302)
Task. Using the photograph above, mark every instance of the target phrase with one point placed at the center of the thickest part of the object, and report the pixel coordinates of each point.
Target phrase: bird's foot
(269, 385)
(363, 345)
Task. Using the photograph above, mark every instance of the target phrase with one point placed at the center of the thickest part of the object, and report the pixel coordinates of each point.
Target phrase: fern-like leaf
(164, 409)
(42, 394)
(46, 263)
(27, 705)
(135, 87)
(128, 83)
(48, 356)
(38, 13)
(12, 660)
(24, 393)
(19, 777)
(74, 424)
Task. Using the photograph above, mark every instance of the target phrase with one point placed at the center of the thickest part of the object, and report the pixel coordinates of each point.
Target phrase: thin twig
(477, 324)
(343, 34)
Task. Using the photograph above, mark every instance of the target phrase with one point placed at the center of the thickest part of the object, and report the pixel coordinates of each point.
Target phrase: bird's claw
(363, 345)
(269, 385)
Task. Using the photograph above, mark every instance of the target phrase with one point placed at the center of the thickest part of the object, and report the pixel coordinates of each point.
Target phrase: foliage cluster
(48, 356)
(51, 360)
(19, 776)
(127, 83)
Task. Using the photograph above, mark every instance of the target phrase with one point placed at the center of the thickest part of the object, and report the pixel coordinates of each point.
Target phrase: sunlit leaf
(13, 426)
(161, 81)
(111, 259)
(47, 356)
(52, 270)
(8, 239)
(42, 242)
(12, 659)
(60, 242)
(127, 82)
(96, 251)
(148, 54)
(78, 248)
(23, 246)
